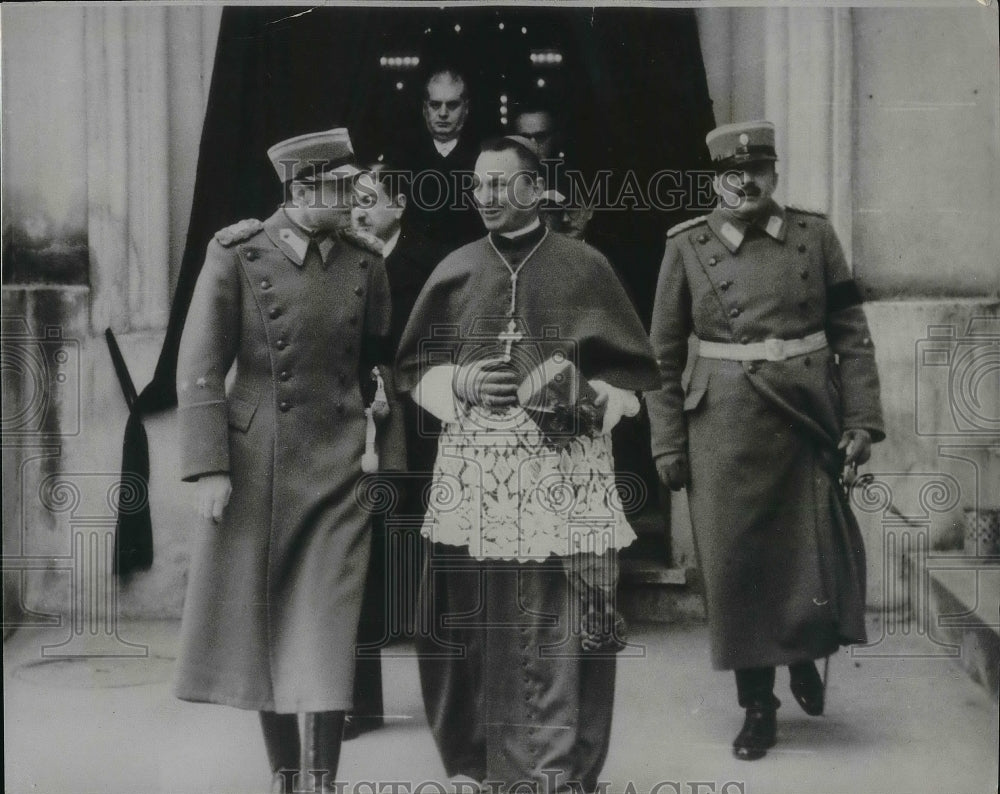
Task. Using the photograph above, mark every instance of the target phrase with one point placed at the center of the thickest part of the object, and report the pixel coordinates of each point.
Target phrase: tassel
(376, 413)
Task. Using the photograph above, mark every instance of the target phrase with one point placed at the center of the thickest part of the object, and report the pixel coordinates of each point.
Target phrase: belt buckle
(774, 349)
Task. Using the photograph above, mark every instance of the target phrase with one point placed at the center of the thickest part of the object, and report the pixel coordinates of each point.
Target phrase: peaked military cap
(733, 145)
(315, 156)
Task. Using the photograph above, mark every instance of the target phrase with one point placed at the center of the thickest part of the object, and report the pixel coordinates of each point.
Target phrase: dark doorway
(629, 81)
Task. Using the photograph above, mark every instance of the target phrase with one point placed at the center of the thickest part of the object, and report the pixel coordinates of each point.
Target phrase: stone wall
(899, 144)
(97, 194)
(120, 138)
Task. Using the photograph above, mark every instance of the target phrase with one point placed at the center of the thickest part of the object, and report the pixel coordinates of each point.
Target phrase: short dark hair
(392, 180)
(535, 103)
(504, 143)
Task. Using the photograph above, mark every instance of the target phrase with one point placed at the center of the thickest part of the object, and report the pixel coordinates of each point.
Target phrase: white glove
(213, 495)
(616, 402)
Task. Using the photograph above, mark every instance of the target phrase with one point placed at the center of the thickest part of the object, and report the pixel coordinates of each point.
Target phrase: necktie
(313, 258)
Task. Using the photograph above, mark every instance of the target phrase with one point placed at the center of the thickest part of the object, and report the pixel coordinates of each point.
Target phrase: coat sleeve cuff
(204, 439)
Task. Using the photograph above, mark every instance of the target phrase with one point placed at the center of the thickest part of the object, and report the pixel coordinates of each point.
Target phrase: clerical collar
(520, 232)
(445, 148)
(520, 241)
(390, 245)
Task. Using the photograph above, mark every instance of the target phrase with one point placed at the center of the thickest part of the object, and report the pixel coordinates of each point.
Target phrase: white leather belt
(768, 350)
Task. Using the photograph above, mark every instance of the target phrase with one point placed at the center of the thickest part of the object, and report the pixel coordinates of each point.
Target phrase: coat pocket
(242, 407)
(697, 386)
(694, 397)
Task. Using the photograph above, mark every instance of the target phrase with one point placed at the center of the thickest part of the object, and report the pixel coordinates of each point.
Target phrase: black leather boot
(321, 742)
(281, 738)
(807, 687)
(759, 730)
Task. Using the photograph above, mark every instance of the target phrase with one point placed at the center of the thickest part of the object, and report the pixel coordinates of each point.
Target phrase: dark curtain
(632, 86)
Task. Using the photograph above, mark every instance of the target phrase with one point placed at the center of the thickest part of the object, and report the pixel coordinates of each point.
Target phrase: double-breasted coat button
(253, 255)
(702, 238)
(281, 344)
(802, 224)
(284, 406)
(363, 264)
(745, 339)
(803, 274)
(265, 284)
(725, 285)
(735, 311)
(353, 321)
(359, 291)
(340, 409)
(284, 375)
(752, 367)
(275, 313)
(342, 379)
(807, 361)
(712, 261)
(802, 248)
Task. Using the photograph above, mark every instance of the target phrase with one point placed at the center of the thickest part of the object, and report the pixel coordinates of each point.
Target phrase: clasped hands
(493, 384)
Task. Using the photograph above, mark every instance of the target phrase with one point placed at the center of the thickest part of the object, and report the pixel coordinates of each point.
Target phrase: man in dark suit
(381, 206)
(439, 162)
(564, 208)
(394, 572)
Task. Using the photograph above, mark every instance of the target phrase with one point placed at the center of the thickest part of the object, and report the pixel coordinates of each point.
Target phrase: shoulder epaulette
(805, 210)
(680, 227)
(238, 232)
(365, 240)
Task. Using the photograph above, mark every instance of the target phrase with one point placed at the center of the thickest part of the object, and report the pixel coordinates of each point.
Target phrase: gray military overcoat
(781, 554)
(274, 591)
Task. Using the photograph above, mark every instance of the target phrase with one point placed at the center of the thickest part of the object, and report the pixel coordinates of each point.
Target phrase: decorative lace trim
(502, 493)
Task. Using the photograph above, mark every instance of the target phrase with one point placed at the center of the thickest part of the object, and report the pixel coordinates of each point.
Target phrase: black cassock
(509, 694)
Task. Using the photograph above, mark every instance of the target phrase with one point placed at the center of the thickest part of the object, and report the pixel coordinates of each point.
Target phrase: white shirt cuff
(434, 393)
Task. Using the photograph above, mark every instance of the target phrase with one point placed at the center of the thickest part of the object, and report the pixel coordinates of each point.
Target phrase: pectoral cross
(509, 337)
(512, 335)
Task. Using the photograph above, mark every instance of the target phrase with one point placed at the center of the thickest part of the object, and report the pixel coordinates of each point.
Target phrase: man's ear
(400, 202)
(298, 194)
(539, 187)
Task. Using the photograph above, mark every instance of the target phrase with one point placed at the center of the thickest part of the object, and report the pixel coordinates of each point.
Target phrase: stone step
(961, 610)
(650, 592)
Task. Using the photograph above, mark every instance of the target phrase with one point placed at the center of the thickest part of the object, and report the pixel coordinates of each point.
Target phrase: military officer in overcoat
(302, 307)
(781, 406)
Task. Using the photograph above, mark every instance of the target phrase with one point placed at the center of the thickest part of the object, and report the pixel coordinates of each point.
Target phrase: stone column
(143, 124)
(792, 66)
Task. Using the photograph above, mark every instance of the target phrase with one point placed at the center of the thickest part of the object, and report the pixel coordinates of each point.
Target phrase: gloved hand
(858, 445)
(491, 383)
(213, 495)
(615, 403)
(674, 471)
